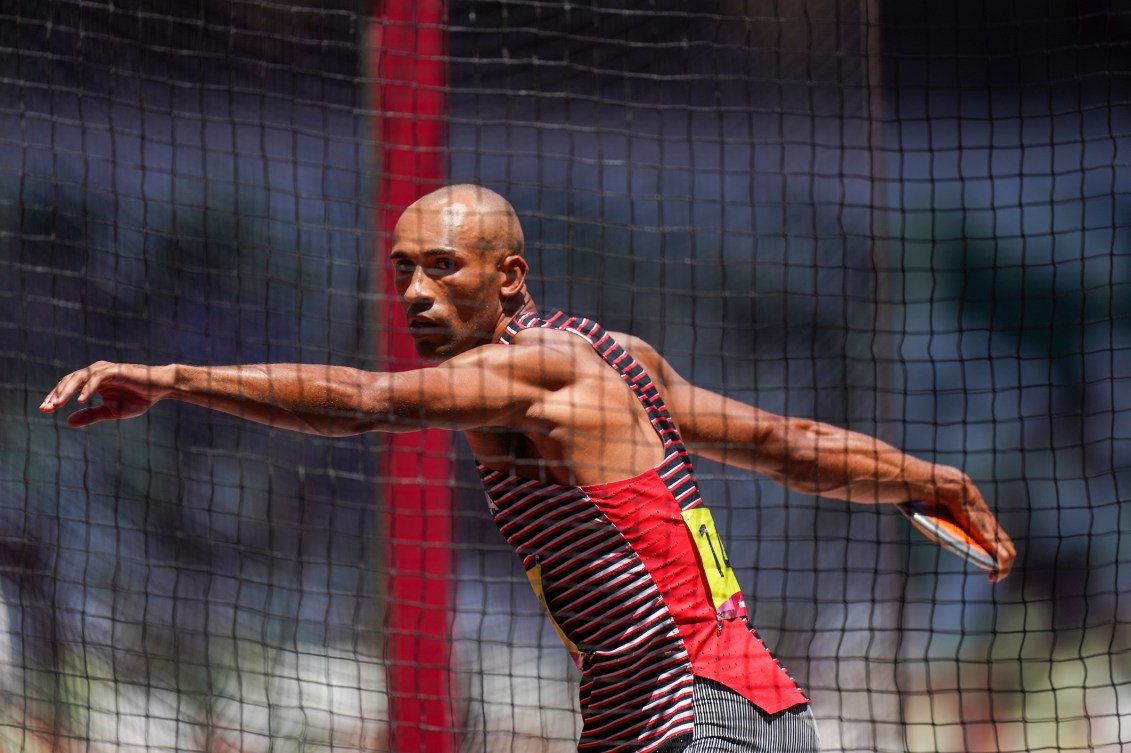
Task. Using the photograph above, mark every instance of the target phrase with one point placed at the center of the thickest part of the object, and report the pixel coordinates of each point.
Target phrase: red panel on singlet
(648, 517)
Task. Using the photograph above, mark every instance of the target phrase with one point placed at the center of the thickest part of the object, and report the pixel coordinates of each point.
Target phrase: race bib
(725, 592)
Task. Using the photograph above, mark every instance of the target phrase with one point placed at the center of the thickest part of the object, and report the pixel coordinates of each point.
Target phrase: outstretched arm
(481, 388)
(818, 458)
(312, 399)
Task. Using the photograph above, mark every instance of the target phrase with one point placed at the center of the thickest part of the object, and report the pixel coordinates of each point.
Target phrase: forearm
(821, 459)
(810, 456)
(325, 400)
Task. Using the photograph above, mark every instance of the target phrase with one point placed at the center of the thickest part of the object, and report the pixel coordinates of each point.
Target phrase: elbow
(379, 409)
(351, 406)
(374, 405)
(801, 460)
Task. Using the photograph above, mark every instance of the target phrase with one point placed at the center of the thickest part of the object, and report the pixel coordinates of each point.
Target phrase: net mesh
(906, 219)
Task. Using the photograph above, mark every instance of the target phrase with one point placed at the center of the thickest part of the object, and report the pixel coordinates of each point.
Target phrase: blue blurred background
(910, 219)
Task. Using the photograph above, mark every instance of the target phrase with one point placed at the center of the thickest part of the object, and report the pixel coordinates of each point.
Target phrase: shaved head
(473, 216)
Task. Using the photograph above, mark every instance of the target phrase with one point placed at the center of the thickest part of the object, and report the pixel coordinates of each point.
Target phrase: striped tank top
(635, 581)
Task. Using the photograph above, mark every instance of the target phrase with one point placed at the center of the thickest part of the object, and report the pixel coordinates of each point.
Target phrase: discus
(938, 525)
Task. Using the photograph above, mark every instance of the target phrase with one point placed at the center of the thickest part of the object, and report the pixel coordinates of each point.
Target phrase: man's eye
(403, 267)
(446, 265)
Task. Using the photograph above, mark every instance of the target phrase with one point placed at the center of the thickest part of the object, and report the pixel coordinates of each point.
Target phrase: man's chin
(436, 352)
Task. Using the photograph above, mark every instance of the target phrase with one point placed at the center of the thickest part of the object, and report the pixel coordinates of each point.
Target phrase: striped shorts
(725, 722)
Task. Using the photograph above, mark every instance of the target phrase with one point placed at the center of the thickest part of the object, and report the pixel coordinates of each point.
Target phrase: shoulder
(549, 345)
(567, 354)
(648, 357)
(537, 357)
(556, 357)
(639, 348)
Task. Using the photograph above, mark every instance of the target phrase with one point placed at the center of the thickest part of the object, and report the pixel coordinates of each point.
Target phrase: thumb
(88, 416)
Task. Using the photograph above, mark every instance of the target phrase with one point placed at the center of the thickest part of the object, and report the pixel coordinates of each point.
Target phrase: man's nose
(419, 287)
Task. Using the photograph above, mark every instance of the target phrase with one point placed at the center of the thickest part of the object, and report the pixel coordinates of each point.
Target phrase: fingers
(84, 381)
(63, 391)
(957, 493)
(983, 524)
(1002, 548)
(1005, 554)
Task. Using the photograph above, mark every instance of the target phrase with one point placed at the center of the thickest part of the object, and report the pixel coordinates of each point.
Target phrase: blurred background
(911, 219)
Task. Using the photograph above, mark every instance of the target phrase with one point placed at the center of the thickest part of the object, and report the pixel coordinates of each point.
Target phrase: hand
(127, 391)
(970, 511)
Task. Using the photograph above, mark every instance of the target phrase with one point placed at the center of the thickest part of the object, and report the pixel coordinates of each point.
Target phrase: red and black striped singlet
(635, 580)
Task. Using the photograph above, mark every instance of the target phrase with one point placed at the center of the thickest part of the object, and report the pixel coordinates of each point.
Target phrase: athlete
(583, 439)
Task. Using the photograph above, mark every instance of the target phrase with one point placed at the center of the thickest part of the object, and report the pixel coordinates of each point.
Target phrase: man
(583, 439)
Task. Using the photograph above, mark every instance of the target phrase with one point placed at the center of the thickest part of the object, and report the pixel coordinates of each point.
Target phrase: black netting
(907, 219)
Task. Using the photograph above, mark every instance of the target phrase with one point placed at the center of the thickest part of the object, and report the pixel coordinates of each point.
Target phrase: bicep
(711, 425)
(478, 390)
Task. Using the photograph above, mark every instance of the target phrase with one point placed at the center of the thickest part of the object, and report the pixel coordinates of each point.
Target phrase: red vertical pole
(407, 61)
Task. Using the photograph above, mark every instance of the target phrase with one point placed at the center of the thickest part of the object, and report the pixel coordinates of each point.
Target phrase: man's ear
(515, 269)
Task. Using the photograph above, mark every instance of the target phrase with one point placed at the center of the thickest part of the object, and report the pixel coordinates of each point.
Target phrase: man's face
(447, 281)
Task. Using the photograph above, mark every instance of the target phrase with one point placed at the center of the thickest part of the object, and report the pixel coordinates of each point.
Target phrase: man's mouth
(425, 328)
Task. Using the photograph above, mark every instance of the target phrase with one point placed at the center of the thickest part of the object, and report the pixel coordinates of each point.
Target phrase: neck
(519, 304)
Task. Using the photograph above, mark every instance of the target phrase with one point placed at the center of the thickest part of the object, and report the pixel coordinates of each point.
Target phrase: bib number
(726, 595)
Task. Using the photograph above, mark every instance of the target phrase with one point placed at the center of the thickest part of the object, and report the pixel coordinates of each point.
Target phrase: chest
(517, 454)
